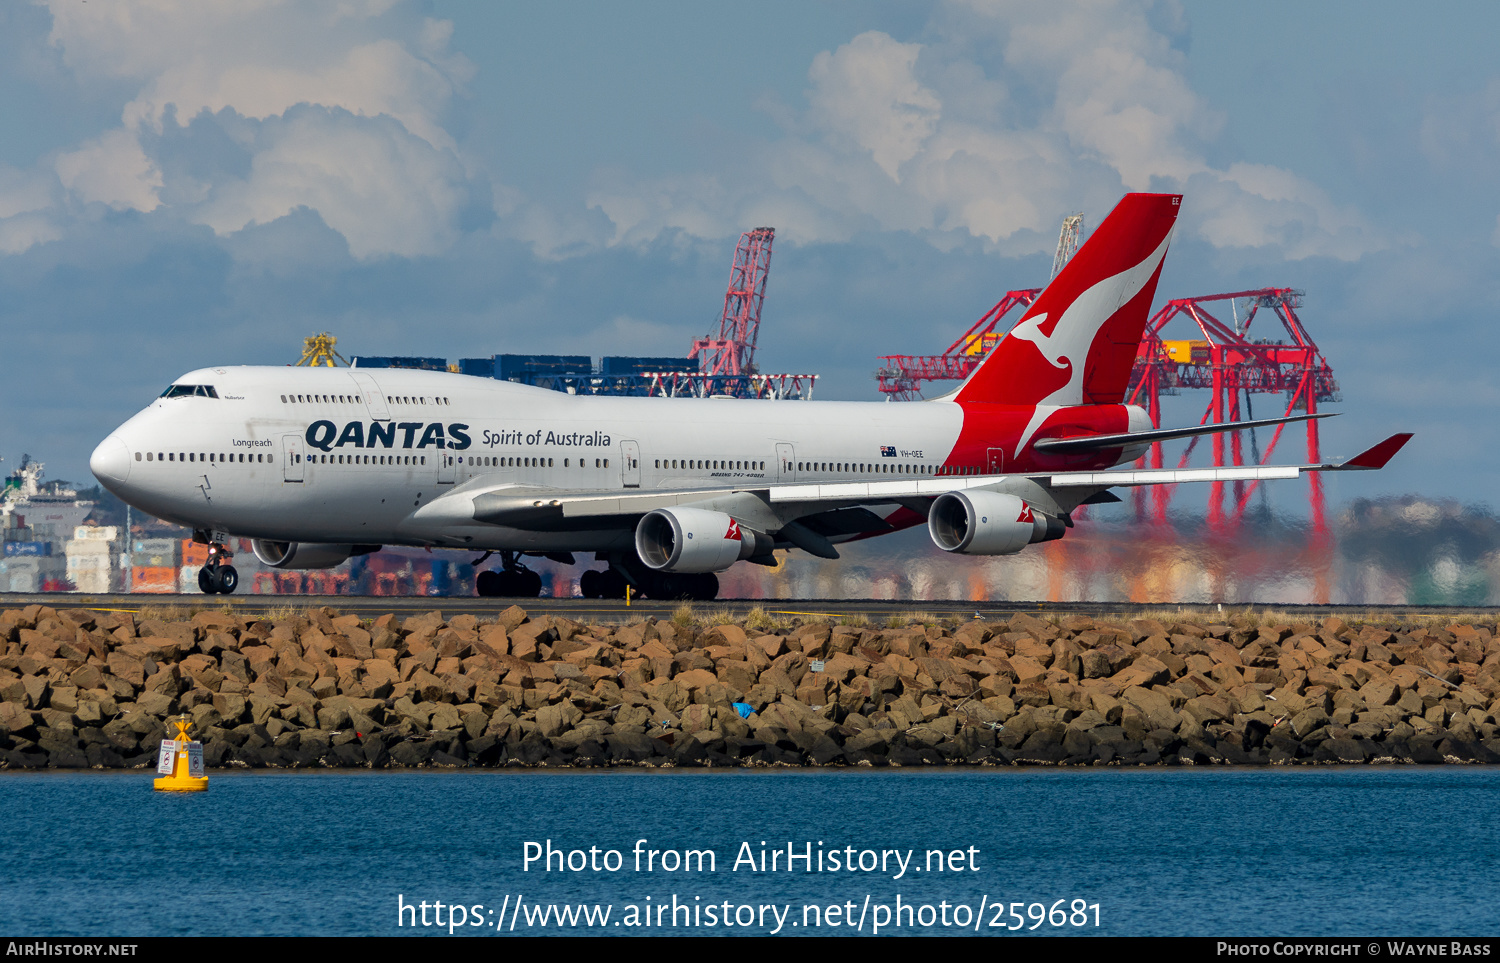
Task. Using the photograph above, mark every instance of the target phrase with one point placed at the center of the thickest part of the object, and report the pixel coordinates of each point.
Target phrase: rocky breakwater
(80, 688)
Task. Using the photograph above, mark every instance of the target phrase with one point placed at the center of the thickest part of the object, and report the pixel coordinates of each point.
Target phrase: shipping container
(87, 546)
(20, 580)
(93, 581)
(102, 533)
(421, 364)
(621, 365)
(28, 549)
(194, 553)
(80, 563)
(160, 579)
(1187, 352)
(510, 367)
(478, 367)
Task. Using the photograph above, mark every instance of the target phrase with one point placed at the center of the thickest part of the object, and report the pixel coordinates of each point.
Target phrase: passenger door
(370, 390)
(291, 458)
(786, 465)
(630, 470)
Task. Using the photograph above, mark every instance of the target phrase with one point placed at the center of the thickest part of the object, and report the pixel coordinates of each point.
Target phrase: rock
(511, 618)
(553, 720)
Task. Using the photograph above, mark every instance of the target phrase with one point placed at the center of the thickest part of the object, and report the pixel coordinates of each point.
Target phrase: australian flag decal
(888, 451)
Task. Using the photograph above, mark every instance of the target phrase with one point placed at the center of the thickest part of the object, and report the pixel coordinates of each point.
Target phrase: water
(1319, 851)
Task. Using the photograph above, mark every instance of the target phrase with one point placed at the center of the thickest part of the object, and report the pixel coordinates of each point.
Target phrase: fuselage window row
(690, 464)
(868, 469)
(210, 458)
(674, 464)
(347, 399)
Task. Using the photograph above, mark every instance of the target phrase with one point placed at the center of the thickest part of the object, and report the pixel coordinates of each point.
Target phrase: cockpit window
(190, 391)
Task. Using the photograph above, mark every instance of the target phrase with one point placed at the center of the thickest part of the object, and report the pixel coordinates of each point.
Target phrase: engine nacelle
(696, 540)
(306, 554)
(988, 523)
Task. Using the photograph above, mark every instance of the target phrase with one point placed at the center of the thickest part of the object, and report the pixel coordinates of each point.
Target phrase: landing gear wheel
(487, 584)
(667, 586)
(674, 586)
(704, 587)
(589, 584)
(611, 585)
(216, 575)
(513, 583)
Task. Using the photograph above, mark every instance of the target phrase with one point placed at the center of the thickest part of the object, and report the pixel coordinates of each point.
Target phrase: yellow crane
(318, 351)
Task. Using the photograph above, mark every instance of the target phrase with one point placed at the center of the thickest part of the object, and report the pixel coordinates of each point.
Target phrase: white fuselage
(349, 455)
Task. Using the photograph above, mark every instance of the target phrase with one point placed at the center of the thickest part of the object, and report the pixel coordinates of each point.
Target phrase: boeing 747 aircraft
(320, 464)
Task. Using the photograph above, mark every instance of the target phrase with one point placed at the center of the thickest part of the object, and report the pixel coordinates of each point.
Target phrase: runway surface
(612, 610)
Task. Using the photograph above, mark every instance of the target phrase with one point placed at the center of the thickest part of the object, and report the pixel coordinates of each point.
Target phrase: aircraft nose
(110, 462)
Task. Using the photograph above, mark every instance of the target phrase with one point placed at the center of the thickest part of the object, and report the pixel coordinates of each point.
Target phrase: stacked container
(28, 560)
(154, 565)
(90, 557)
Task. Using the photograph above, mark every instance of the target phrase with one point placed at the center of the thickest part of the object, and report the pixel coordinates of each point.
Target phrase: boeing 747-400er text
(319, 464)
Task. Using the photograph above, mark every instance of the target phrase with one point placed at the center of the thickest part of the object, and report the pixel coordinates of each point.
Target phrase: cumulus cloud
(22, 191)
(382, 187)
(111, 169)
(1003, 118)
(868, 94)
(340, 108)
(22, 231)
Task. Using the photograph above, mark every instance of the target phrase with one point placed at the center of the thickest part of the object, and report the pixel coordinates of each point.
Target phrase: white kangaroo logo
(1071, 338)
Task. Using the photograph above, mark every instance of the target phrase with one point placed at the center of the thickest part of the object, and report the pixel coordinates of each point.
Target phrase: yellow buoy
(181, 762)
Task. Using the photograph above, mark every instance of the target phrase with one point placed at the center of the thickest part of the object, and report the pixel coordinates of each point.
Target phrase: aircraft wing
(1370, 459)
(812, 515)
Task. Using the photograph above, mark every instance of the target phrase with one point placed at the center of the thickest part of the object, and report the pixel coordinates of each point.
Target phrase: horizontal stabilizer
(1375, 456)
(1095, 442)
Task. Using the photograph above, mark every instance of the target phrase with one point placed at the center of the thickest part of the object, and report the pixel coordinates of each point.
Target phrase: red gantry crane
(901, 375)
(726, 358)
(1225, 361)
(731, 351)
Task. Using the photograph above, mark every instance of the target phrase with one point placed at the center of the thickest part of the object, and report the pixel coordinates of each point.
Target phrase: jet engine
(306, 554)
(988, 523)
(696, 540)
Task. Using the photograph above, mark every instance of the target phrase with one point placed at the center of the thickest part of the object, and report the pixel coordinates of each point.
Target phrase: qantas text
(326, 436)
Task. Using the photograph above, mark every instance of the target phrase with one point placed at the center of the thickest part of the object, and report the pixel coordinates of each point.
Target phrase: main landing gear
(217, 576)
(610, 584)
(697, 586)
(512, 580)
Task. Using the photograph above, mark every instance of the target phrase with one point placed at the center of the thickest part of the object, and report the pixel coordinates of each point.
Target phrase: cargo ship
(26, 501)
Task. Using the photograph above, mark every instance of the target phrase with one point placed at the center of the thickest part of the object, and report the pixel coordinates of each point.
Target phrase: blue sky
(184, 184)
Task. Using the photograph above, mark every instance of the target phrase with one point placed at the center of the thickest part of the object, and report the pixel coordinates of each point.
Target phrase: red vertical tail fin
(1077, 342)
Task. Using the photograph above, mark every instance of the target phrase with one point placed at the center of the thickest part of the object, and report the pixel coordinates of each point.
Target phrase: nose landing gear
(217, 576)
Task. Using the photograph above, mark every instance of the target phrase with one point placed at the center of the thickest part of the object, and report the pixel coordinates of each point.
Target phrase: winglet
(1377, 455)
